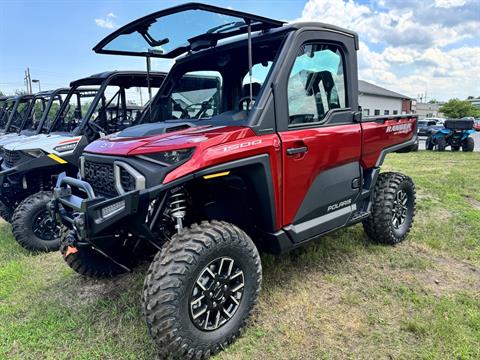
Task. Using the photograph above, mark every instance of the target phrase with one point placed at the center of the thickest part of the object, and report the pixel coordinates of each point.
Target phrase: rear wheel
(6, 212)
(393, 209)
(441, 144)
(468, 144)
(32, 225)
(429, 145)
(201, 289)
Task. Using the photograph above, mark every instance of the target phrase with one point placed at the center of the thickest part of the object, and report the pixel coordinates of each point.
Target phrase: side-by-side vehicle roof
(122, 77)
(179, 29)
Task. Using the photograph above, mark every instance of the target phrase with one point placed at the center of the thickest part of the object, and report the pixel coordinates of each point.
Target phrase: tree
(456, 108)
(1, 93)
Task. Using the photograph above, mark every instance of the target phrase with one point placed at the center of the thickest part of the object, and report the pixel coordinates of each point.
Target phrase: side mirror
(357, 117)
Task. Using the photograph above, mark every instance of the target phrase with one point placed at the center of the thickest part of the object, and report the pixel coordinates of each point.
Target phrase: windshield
(215, 86)
(173, 31)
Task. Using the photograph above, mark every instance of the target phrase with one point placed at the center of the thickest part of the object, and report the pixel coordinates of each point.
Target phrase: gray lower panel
(311, 228)
(331, 187)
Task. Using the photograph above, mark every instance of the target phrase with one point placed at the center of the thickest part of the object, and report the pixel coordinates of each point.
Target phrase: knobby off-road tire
(32, 226)
(468, 144)
(87, 261)
(429, 145)
(441, 144)
(173, 299)
(6, 212)
(389, 204)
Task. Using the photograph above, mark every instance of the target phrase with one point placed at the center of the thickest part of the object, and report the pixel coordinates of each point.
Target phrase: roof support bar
(250, 61)
(149, 69)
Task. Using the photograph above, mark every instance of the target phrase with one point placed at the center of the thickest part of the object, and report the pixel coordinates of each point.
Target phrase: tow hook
(71, 240)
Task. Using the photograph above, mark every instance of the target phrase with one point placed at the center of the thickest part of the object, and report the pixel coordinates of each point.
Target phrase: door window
(316, 84)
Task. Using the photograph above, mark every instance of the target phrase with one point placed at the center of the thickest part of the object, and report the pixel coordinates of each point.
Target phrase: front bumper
(76, 206)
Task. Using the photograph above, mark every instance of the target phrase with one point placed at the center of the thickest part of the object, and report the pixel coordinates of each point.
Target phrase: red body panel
(328, 147)
(213, 146)
(292, 176)
(237, 145)
(378, 136)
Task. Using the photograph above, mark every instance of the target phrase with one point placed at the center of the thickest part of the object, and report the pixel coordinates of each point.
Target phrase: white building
(475, 102)
(427, 110)
(376, 100)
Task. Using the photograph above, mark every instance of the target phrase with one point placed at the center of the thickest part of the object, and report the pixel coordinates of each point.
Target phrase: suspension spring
(178, 208)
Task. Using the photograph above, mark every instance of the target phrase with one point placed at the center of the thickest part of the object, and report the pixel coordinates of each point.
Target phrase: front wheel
(200, 290)
(468, 144)
(393, 209)
(32, 225)
(441, 144)
(6, 212)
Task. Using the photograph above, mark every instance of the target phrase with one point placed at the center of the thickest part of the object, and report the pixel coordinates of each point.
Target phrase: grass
(339, 297)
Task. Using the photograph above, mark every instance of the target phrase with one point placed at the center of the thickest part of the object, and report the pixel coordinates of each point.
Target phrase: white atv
(29, 169)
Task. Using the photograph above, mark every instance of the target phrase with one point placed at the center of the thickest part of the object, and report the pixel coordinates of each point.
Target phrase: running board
(358, 216)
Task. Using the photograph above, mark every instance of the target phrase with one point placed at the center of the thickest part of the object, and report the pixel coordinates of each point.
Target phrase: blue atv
(455, 133)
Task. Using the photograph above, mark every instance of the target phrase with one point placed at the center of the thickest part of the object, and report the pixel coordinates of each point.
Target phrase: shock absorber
(178, 207)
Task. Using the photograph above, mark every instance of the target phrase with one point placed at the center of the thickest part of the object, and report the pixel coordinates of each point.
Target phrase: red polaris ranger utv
(254, 141)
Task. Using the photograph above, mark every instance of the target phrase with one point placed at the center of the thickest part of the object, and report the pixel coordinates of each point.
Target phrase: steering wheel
(203, 107)
(117, 122)
(247, 99)
(97, 127)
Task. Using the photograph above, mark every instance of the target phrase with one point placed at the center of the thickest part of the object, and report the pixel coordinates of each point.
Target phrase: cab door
(321, 142)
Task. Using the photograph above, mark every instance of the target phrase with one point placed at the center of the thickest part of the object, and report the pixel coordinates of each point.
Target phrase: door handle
(297, 150)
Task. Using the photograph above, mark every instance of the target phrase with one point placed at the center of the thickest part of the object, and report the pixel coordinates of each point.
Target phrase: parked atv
(231, 165)
(456, 134)
(43, 109)
(14, 113)
(29, 169)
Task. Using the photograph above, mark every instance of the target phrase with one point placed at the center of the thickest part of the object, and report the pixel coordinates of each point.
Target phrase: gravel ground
(476, 136)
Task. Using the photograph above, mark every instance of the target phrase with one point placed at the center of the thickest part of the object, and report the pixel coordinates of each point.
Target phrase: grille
(101, 178)
(11, 157)
(127, 180)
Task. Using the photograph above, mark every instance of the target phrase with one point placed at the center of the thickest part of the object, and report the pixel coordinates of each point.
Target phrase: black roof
(156, 78)
(21, 97)
(368, 88)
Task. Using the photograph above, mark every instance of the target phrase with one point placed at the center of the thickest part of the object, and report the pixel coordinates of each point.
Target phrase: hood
(9, 138)
(44, 142)
(194, 136)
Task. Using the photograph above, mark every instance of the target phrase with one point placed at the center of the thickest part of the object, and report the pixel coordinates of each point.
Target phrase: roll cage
(150, 39)
(12, 118)
(123, 79)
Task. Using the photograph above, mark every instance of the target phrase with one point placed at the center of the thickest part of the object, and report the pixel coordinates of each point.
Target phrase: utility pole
(28, 81)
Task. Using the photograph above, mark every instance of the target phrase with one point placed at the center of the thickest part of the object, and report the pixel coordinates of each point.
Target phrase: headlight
(66, 147)
(170, 157)
(34, 153)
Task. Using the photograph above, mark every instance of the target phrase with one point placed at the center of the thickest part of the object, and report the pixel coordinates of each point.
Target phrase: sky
(412, 47)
